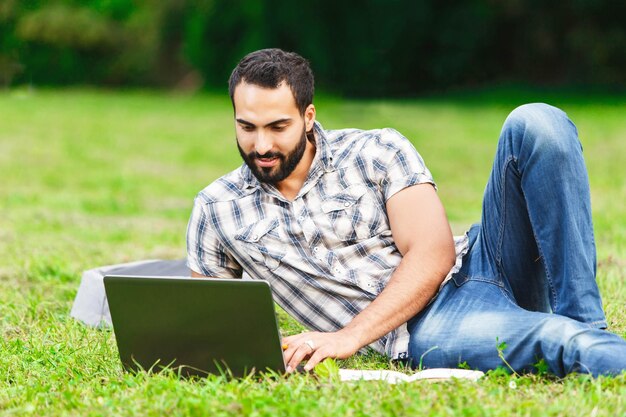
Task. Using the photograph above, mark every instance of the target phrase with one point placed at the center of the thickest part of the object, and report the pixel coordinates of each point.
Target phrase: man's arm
(206, 256)
(422, 234)
(194, 274)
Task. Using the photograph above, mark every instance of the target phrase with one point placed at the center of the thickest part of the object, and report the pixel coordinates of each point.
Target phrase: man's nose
(263, 143)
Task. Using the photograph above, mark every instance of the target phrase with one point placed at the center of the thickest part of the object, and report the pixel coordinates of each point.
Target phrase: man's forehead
(254, 103)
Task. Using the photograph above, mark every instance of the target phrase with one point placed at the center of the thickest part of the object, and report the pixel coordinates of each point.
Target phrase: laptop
(196, 326)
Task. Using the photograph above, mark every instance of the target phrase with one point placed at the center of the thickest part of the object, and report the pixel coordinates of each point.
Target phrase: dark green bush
(365, 47)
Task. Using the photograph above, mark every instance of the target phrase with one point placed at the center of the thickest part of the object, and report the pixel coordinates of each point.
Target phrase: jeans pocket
(461, 276)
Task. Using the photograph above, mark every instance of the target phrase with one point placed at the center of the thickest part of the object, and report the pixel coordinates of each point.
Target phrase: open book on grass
(393, 377)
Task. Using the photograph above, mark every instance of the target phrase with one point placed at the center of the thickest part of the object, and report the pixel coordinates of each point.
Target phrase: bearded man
(347, 228)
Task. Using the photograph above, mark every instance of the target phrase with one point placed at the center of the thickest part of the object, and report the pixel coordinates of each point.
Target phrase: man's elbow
(451, 254)
(194, 274)
(445, 257)
(436, 259)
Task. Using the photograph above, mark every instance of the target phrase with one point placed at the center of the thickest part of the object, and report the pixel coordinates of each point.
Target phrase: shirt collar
(323, 158)
(323, 148)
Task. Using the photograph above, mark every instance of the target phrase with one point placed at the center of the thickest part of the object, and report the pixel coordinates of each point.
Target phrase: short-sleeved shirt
(328, 253)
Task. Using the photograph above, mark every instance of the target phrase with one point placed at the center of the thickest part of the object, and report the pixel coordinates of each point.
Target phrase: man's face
(271, 132)
(273, 167)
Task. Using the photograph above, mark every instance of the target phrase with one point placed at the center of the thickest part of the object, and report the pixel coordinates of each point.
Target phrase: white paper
(393, 377)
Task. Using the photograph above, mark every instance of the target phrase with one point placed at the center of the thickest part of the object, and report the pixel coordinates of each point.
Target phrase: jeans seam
(508, 297)
(479, 278)
(498, 259)
(498, 253)
(545, 267)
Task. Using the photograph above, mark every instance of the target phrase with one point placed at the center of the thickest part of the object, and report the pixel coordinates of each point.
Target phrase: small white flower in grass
(512, 384)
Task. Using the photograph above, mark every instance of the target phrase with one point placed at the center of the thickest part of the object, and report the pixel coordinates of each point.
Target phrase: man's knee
(543, 128)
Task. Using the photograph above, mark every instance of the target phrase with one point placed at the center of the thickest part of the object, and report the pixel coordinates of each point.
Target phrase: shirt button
(346, 204)
(301, 218)
(316, 249)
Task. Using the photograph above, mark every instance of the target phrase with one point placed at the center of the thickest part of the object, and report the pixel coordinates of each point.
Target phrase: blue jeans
(528, 279)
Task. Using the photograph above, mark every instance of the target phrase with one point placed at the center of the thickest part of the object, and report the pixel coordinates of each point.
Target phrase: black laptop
(196, 326)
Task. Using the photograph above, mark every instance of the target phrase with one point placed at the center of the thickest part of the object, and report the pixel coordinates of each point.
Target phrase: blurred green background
(96, 176)
(357, 48)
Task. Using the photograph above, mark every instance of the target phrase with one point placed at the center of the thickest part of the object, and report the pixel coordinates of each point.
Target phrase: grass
(93, 177)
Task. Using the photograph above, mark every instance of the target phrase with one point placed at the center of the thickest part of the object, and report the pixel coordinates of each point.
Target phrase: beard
(286, 163)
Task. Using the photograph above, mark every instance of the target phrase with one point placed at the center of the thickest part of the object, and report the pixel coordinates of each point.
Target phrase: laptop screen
(195, 325)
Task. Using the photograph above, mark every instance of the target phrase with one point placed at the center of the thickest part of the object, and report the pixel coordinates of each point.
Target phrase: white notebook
(393, 377)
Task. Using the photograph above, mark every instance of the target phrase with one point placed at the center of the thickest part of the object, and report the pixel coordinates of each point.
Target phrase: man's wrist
(358, 338)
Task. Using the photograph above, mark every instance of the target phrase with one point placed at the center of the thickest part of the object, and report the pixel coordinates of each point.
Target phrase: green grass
(89, 178)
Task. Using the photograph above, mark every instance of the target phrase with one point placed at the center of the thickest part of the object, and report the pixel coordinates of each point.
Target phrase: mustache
(268, 155)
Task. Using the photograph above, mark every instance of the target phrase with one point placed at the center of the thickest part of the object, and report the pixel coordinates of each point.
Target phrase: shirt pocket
(353, 213)
(262, 242)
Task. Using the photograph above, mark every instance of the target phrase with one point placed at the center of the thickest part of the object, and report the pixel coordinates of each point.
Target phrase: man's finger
(288, 353)
(316, 358)
(292, 346)
(289, 345)
(299, 355)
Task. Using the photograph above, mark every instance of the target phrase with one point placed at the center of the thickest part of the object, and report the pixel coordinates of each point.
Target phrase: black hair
(269, 67)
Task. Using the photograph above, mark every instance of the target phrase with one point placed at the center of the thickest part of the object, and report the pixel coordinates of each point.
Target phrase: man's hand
(316, 346)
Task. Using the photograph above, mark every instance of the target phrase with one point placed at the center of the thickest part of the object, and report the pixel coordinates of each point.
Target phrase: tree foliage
(365, 47)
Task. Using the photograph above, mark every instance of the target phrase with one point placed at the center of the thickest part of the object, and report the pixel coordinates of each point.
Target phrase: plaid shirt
(328, 253)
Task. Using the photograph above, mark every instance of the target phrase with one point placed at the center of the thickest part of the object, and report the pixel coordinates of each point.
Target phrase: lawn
(91, 178)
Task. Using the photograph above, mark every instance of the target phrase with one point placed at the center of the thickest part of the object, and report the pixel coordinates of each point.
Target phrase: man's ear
(309, 117)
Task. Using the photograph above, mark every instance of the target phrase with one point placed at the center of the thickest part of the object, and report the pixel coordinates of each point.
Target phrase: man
(347, 227)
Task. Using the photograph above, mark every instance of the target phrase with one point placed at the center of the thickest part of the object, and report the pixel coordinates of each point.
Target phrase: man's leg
(534, 249)
(467, 323)
(536, 224)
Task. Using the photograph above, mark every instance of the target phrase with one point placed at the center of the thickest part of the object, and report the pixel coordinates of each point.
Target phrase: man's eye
(247, 128)
(278, 128)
